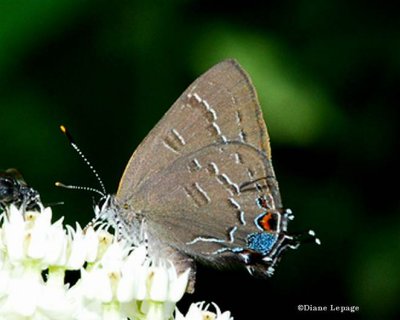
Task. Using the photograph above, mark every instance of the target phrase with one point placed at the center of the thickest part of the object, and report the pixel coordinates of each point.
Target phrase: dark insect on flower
(14, 190)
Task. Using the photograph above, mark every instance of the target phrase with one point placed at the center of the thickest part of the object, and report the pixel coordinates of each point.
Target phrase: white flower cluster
(116, 281)
(199, 311)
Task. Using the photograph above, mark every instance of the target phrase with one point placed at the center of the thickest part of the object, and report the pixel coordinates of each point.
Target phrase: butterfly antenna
(67, 186)
(78, 150)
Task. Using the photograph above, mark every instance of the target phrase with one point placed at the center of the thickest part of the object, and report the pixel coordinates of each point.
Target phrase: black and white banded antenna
(71, 141)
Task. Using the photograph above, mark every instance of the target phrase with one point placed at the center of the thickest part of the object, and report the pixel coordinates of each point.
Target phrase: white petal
(77, 251)
(130, 271)
(126, 287)
(199, 311)
(105, 240)
(56, 254)
(54, 303)
(96, 285)
(178, 287)
(137, 256)
(112, 259)
(15, 216)
(225, 316)
(178, 315)
(140, 282)
(38, 235)
(221, 316)
(84, 309)
(158, 277)
(195, 312)
(14, 234)
(43, 220)
(92, 244)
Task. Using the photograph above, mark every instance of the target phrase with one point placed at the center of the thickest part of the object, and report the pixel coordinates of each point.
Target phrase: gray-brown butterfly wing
(168, 181)
(221, 105)
(199, 204)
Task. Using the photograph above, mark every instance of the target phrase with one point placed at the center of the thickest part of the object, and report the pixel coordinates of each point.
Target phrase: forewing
(220, 106)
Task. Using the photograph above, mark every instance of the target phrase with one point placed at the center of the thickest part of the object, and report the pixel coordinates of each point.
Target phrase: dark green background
(327, 73)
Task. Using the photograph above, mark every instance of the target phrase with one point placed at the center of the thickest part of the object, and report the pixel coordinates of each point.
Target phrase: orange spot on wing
(265, 222)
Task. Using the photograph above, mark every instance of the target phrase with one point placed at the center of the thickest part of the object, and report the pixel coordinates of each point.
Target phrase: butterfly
(201, 185)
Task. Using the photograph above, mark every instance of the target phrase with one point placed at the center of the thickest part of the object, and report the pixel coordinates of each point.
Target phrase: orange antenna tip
(63, 129)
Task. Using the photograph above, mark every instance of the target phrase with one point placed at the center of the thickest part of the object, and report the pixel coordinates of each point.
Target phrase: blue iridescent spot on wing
(261, 242)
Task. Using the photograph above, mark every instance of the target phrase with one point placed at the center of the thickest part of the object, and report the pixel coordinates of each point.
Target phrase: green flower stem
(111, 311)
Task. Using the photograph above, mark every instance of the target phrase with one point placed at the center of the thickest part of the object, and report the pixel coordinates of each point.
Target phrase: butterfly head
(110, 212)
